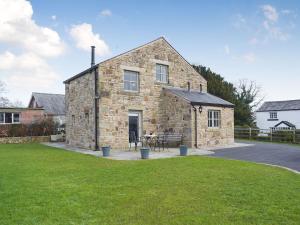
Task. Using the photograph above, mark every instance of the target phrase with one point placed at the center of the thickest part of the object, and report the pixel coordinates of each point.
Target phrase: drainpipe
(196, 136)
(96, 103)
(96, 109)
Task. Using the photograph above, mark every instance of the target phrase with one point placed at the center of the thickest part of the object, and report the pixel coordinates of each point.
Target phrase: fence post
(294, 135)
(249, 133)
(271, 138)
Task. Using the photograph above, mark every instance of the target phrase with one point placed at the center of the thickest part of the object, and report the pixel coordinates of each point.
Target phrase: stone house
(149, 89)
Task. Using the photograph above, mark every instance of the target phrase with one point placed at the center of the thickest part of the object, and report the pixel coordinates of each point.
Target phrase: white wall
(292, 116)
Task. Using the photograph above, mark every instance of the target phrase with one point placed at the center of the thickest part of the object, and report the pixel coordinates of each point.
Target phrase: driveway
(275, 154)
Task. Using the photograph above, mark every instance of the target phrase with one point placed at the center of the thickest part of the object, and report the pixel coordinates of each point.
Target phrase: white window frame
(159, 74)
(273, 115)
(131, 82)
(214, 118)
(12, 118)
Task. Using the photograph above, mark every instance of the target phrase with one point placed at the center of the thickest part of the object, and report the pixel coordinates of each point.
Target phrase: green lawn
(43, 185)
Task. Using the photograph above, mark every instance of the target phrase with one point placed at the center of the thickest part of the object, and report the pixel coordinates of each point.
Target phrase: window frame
(160, 74)
(214, 118)
(130, 81)
(12, 116)
(273, 115)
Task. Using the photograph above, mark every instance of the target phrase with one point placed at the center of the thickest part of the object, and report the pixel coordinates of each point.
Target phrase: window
(131, 80)
(162, 73)
(7, 117)
(1, 117)
(214, 119)
(16, 118)
(273, 115)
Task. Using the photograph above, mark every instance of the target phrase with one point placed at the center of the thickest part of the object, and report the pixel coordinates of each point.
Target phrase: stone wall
(160, 110)
(213, 136)
(116, 103)
(80, 116)
(23, 140)
(175, 116)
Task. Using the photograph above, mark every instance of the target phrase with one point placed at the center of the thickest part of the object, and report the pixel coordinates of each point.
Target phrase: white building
(279, 114)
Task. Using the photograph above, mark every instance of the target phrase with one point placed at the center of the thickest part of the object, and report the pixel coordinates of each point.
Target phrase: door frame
(140, 124)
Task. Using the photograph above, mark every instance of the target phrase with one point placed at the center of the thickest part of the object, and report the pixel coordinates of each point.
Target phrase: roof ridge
(283, 100)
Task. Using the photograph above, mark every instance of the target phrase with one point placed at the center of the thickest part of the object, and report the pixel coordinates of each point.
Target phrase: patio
(135, 155)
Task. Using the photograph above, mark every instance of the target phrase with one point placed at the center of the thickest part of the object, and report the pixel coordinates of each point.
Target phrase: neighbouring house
(52, 104)
(9, 115)
(279, 115)
(149, 89)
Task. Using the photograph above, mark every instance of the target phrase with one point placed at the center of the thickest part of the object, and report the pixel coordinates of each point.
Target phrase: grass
(43, 185)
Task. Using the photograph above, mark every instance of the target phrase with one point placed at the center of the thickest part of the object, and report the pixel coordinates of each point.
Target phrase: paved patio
(135, 155)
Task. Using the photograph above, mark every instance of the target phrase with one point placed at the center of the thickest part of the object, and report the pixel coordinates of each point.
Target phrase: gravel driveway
(275, 154)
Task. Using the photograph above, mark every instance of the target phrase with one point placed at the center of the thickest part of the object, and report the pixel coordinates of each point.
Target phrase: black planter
(105, 151)
(183, 150)
(145, 153)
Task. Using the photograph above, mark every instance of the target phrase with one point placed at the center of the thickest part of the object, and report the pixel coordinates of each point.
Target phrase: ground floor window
(8, 118)
(214, 118)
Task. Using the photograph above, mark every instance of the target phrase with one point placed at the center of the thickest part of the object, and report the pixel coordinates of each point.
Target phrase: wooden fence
(272, 135)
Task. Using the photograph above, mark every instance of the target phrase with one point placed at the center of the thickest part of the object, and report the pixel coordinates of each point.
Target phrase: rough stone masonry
(160, 110)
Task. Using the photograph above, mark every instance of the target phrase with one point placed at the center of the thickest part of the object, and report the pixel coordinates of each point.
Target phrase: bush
(40, 128)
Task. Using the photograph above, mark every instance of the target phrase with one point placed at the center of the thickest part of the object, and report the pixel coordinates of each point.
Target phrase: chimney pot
(92, 56)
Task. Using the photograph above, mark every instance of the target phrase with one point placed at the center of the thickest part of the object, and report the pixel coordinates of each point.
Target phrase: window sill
(134, 93)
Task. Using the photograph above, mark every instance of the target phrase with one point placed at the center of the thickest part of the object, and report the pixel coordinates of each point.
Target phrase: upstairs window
(131, 80)
(273, 115)
(162, 73)
(214, 118)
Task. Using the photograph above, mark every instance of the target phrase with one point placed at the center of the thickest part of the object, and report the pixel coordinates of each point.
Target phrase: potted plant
(145, 150)
(105, 151)
(183, 150)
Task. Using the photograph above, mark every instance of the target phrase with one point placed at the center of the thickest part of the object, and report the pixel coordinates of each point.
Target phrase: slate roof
(199, 98)
(287, 123)
(52, 103)
(280, 106)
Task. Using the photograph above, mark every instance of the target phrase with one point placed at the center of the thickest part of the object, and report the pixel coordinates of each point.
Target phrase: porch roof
(199, 98)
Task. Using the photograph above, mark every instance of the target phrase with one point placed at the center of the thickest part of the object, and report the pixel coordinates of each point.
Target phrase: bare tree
(248, 97)
(4, 102)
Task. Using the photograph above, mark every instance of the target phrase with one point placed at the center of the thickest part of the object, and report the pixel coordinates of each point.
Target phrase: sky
(42, 43)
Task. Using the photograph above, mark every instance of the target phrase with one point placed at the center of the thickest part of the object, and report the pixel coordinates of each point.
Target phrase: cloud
(53, 17)
(27, 69)
(249, 57)
(17, 28)
(270, 13)
(105, 13)
(275, 32)
(239, 21)
(84, 37)
(227, 49)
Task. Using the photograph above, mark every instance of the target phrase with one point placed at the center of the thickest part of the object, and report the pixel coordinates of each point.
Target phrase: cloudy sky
(42, 43)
